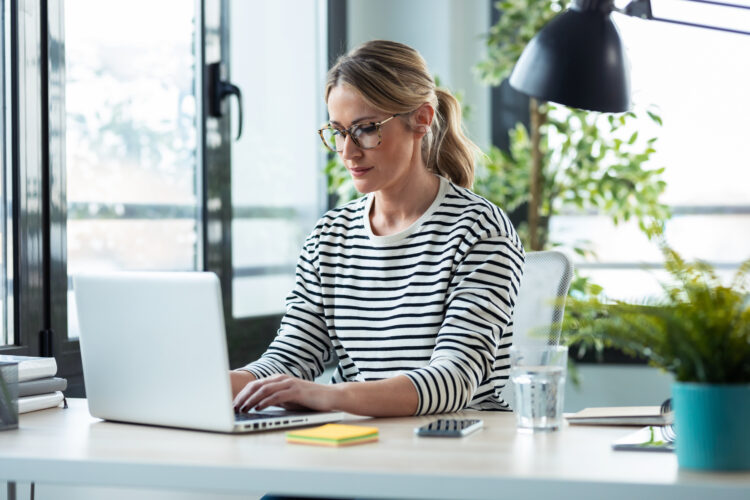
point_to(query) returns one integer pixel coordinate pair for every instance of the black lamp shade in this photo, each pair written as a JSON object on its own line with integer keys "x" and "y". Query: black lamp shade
{"x": 577, "y": 60}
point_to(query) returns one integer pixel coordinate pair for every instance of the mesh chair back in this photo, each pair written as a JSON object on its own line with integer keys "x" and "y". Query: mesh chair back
{"x": 537, "y": 315}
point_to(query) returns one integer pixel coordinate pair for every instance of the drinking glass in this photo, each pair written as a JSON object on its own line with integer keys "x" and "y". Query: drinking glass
{"x": 538, "y": 376}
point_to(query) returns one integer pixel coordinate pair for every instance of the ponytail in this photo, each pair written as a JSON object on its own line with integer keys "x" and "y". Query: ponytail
{"x": 449, "y": 153}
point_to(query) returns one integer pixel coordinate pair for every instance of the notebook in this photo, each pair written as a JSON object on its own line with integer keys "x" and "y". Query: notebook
{"x": 620, "y": 415}
{"x": 153, "y": 348}
{"x": 651, "y": 438}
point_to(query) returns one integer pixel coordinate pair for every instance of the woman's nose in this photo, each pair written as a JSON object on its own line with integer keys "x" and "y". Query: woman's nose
{"x": 351, "y": 150}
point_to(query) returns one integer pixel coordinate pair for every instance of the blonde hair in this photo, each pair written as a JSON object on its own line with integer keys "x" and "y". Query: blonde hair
{"x": 394, "y": 78}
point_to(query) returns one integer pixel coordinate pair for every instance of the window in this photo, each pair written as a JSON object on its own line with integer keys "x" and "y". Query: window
{"x": 699, "y": 81}
{"x": 132, "y": 174}
{"x": 111, "y": 155}
{"x": 278, "y": 189}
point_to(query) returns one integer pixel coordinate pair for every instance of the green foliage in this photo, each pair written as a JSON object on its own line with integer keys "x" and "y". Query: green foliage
{"x": 519, "y": 21}
{"x": 340, "y": 181}
{"x": 699, "y": 331}
{"x": 590, "y": 161}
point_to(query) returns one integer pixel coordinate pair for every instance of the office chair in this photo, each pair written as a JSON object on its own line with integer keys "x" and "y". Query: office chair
{"x": 538, "y": 314}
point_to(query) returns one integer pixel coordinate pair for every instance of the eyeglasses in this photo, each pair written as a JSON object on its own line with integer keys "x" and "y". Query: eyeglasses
{"x": 364, "y": 135}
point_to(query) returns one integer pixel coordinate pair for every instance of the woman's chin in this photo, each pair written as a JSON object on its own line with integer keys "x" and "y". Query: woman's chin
{"x": 364, "y": 186}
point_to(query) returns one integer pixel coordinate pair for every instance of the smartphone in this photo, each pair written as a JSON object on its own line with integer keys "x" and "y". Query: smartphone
{"x": 449, "y": 427}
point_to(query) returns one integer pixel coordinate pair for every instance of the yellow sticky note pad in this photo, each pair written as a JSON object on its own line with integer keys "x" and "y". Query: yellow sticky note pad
{"x": 334, "y": 435}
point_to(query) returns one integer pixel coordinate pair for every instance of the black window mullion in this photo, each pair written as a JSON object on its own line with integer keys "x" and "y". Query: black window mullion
{"x": 66, "y": 351}
{"x": 28, "y": 289}
{"x": 216, "y": 154}
{"x": 37, "y": 163}
{"x": 45, "y": 334}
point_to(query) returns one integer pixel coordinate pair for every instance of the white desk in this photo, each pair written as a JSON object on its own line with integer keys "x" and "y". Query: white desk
{"x": 70, "y": 447}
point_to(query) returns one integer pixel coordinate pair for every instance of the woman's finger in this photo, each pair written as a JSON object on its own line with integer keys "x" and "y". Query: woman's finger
{"x": 261, "y": 391}
{"x": 255, "y": 385}
{"x": 278, "y": 398}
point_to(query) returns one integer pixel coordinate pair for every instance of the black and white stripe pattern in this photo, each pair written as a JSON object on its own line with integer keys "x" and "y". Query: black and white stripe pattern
{"x": 433, "y": 302}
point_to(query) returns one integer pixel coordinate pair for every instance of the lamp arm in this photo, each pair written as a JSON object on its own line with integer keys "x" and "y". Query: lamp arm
{"x": 642, "y": 9}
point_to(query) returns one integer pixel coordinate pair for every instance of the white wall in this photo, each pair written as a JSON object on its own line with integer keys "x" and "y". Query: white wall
{"x": 448, "y": 34}
{"x": 617, "y": 385}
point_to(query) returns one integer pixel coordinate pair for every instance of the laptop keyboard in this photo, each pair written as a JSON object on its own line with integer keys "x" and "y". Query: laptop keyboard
{"x": 244, "y": 417}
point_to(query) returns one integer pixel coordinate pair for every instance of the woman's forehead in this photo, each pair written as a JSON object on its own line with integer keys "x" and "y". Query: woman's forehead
{"x": 346, "y": 105}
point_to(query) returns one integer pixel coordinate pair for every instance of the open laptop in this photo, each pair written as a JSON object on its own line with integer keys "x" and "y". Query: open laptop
{"x": 154, "y": 351}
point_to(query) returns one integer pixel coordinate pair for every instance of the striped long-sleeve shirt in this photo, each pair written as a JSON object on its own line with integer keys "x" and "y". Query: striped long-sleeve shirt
{"x": 433, "y": 302}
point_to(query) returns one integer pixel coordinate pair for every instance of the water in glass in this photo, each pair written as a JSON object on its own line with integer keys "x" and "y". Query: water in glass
{"x": 539, "y": 392}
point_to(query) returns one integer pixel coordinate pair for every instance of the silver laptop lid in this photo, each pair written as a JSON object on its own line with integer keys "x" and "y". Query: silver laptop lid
{"x": 153, "y": 348}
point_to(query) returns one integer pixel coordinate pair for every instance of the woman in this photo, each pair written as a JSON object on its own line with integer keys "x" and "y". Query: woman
{"x": 413, "y": 285}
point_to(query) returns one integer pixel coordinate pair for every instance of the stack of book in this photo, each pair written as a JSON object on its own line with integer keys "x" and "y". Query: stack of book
{"x": 38, "y": 388}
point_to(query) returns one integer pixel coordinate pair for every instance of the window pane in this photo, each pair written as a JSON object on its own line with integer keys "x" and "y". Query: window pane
{"x": 277, "y": 164}
{"x": 637, "y": 283}
{"x": 267, "y": 242}
{"x": 699, "y": 81}
{"x": 693, "y": 77}
{"x": 713, "y": 238}
{"x": 131, "y": 137}
{"x": 261, "y": 295}
{"x": 110, "y": 245}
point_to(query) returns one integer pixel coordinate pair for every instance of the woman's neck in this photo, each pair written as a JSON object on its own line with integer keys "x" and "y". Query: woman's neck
{"x": 398, "y": 207}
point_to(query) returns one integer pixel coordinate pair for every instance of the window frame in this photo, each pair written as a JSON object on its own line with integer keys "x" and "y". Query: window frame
{"x": 37, "y": 231}
{"x": 36, "y": 223}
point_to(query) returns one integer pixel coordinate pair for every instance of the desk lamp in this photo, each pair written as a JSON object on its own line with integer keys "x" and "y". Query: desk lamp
{"x": 578, "y": 58}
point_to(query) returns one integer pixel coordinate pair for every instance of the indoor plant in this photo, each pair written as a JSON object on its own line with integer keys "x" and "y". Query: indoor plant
{"x": 700, "y": 332}
{"x": 564, "y": 159}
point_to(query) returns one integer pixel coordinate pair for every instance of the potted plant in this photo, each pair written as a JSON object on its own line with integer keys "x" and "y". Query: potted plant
{"x": 700, "y": 332}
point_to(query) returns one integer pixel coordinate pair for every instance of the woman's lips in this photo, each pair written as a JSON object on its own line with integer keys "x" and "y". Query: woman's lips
{"x": 359, "y": 171}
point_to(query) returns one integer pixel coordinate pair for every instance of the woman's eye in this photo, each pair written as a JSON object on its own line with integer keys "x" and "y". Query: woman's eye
{"x": 367, "y": 129}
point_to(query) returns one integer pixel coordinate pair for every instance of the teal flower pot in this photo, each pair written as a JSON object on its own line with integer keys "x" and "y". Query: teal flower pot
{"x": 712, "y": 423}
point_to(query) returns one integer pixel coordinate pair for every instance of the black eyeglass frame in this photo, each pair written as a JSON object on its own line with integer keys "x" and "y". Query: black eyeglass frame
{"x": 349, "y": 132}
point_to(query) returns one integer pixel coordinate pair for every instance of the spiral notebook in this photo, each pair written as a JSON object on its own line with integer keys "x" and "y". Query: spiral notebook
{"x": 651, "y": 438}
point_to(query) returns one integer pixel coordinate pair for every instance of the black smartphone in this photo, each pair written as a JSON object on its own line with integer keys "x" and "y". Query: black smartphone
{"x": 449, "y": 427}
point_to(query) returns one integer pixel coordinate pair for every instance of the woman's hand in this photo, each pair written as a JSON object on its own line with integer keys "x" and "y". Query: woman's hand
{"x": 287, "y": 392}
{"x": 239, "y": 379}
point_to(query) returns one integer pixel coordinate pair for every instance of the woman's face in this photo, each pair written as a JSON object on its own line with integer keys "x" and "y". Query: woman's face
{"x": 385, "y": 166}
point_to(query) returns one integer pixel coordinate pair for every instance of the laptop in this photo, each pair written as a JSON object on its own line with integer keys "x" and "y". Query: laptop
{"x": 153, "y": 348}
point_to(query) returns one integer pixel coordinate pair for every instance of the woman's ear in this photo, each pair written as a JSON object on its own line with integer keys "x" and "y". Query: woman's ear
{"x": 422, "y": 119}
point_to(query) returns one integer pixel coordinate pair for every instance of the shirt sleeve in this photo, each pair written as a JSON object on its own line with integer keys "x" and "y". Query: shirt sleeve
{"x": 479, "y": 309}
{"x": 302, "y": 345}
